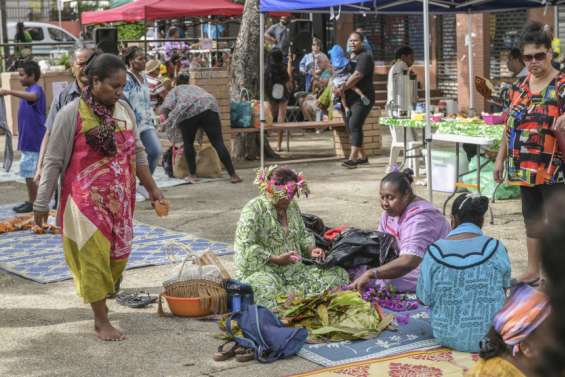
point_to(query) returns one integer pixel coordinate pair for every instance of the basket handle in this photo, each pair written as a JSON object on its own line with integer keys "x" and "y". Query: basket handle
{"x": 245, "y": 92}
{"x": 193, "y": 259}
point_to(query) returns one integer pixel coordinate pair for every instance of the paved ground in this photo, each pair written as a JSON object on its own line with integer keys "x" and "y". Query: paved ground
{"x": 45, "y": 330}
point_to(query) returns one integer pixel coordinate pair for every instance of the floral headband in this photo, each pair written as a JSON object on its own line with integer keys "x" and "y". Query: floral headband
{"x": 275, "y": 191}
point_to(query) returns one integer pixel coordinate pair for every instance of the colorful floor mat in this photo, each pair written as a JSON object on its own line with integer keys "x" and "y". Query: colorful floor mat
{"x": 441, "y": 362}
{"x": 40, "y": 257}
{"x": 415, "y": 335}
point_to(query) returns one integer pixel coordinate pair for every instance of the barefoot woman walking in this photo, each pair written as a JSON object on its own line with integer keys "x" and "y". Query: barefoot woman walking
{"x": 94, "y": 147}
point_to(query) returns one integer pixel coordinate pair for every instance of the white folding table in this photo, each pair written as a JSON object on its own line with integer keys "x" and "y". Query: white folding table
{"x": 463, "y": 139}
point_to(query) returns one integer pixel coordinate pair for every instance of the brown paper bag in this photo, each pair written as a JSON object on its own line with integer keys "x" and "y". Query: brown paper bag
{"x": 180, "y": 167}
{"x": 208, "y": 164}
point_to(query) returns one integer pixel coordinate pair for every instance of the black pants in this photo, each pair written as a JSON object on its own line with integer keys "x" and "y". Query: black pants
{"x": 359, "y": 113}
{"x": 536, "y": 201}
{"x": 210, "y": 122}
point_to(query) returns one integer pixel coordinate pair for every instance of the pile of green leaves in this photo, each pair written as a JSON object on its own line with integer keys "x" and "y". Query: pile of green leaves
{"x": 400, "y": 122}
{"x": 477, "y": 129}
{"x": 130, "y": 31}
{"x": 332, "y": 316}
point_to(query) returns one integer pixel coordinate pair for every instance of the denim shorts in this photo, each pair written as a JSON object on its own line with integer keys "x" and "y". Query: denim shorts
{"x": 28, "y": 164}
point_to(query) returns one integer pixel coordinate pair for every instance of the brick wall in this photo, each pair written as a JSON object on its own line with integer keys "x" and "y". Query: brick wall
{"x": 480, "y": 58}
{"x": 372, "y": 136}
{"x": 216, "y": 81}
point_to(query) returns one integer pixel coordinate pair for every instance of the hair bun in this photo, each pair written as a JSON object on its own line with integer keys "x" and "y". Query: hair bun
{"x": 409, "y": 173}
{"x": 481, "y": 203}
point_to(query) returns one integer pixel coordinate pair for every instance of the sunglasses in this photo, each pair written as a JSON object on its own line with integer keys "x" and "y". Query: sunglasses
{"x": 540, "y": 56}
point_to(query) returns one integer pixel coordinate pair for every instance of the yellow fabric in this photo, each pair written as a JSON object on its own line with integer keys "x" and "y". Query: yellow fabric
{"x": 495, "y": 367}
{"x": 90, "y": 121}
{"x": 87, "y": 253}
{"x": 95, "y": 273}
{"x": 439, "y": 362}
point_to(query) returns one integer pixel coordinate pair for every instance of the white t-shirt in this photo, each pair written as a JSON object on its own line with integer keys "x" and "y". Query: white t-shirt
{"x": 397, "y": 68}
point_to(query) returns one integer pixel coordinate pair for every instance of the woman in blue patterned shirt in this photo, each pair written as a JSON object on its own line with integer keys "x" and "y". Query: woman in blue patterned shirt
{"x": 463, "y": 278}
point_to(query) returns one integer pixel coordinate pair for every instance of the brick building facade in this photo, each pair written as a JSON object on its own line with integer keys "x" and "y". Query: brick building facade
{"x": 493, "y": 34}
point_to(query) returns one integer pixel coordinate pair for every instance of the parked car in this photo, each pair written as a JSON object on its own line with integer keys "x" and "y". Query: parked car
{"x": 42, "y": 33}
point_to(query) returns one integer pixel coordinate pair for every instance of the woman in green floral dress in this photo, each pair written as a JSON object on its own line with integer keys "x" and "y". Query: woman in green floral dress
{"x": 271, "y": 240}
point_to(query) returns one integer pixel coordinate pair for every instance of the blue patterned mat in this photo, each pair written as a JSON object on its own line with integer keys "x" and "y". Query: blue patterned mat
{"x": 415, "y": 335}
{"x": 40, "y": 257}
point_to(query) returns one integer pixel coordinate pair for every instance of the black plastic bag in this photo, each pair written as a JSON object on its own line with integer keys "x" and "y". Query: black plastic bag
{"x": 315, "y": 225}
{"x": 356, "y": 247}
{"x": 167, "y": 162}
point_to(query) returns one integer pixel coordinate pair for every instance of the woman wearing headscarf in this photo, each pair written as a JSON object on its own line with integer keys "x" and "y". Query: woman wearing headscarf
{"x": 271, "y": 240}
{"x": 514, "y": 343}
{"x": 96, "y": 151}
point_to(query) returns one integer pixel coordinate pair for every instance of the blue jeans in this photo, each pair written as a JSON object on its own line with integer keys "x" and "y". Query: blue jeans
{"x": 152, "y": 144}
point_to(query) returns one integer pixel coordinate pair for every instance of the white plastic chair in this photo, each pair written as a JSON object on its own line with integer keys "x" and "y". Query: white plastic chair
{"x": 397, "y": 145}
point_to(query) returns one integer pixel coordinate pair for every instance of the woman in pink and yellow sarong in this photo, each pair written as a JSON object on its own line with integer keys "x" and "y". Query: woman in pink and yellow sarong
{"x": 96, "y": 151}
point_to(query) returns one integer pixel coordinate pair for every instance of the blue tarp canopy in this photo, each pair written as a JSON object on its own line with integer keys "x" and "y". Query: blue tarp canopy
{"x": 400, "y": 6}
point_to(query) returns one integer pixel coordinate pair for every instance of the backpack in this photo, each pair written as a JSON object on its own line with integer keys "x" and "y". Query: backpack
{"x": 264, "y": 333}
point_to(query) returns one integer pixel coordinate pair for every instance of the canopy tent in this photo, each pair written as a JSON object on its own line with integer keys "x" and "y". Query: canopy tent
{"x": 402, "y": 6}
{"x": 142, "y": 10}
{"x": 423, "y": 7}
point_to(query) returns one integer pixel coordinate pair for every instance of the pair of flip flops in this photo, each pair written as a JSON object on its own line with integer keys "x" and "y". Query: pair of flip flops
{"x": 137, "y": 300}
{"x": 231, "y": 349}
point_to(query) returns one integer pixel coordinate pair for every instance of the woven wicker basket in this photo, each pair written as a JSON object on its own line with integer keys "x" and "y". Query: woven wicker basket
{"x": 203, "y": 296}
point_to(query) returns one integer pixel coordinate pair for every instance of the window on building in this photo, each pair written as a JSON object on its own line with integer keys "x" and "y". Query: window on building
{"x": 388, "y": 33}
{"x": 505, "y": 28}
{"x": 447, "y": 55}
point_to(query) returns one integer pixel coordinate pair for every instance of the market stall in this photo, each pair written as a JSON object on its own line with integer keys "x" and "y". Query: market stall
{"x": 149, "y": 10}
{"x": 425, "y": 7}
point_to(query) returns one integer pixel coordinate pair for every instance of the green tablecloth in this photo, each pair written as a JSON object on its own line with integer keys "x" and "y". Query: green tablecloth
{"x": 476, "y": 128}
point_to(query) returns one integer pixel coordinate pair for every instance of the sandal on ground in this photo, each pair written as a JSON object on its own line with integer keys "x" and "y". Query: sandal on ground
{"x": 135, "y": 300}
{"x": 224, "y": 354}
{"x": 244, "y": 355}
{"x": 235, "y": 179}
{"x": 191, "y": 179}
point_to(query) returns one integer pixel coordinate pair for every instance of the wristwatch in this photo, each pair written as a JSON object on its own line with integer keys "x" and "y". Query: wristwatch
{"x": 375, "y": 273}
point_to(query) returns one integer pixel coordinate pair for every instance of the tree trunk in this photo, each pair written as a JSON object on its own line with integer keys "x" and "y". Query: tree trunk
{"x": 245, "y": 74}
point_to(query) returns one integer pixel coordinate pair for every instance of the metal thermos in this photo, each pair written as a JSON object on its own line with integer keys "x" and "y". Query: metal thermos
{"x": 405, "y": 89}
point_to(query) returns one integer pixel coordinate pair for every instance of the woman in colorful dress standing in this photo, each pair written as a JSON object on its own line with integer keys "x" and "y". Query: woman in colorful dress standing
{"x": 94, "y": 147}
{"x": 534, "y": 160}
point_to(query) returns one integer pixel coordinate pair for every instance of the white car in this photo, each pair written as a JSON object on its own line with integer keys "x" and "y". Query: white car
{"x": 41, "y": 33}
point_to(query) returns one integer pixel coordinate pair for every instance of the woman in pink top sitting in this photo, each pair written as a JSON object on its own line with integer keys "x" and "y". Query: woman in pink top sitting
{"x": 414, "y": 222}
